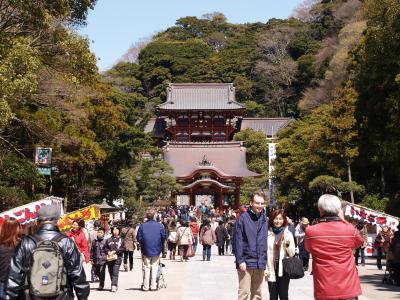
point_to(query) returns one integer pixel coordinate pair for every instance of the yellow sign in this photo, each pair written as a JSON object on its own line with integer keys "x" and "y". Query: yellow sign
{"x": 87, "y": 213}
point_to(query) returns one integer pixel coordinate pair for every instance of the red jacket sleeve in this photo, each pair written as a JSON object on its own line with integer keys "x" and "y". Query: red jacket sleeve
{"x": 307, "y": 240}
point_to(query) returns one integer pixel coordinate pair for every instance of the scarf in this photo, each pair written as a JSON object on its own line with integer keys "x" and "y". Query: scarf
{"x": 277, "y": 230}
{"x": 277, "y": 244}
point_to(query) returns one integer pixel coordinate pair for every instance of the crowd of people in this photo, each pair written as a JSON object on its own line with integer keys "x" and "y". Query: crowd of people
{"x": 264, "y": 246}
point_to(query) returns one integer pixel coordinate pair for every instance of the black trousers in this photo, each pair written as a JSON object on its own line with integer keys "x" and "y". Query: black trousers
{"x": 279, "y": 289}
{"x": 100, "y": 271}
{"x": 379, "y": 258}
{"x": 221, "y": 250}
{"x": 130, "y": 255}
{"x": 113, "y": 270}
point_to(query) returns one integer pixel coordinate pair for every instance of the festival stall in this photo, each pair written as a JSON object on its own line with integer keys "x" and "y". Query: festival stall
{"x": 374, "y": 220}
{"x": 91, "y": 212}
{"x": 28, "y": 213}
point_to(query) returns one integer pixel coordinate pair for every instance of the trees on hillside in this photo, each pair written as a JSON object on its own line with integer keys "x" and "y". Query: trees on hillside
{"x": 324, "y": 142}
{"x": 376, "y": 69}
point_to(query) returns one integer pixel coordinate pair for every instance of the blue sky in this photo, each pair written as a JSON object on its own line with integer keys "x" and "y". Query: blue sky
{"x": 114, "y": 25}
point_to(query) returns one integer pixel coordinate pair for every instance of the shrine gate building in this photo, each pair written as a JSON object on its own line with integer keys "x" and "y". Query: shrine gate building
{"x": 195, "y": 128}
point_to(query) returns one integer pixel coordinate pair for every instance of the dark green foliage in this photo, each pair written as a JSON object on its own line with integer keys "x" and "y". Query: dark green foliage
{"x": 50, "y": 94}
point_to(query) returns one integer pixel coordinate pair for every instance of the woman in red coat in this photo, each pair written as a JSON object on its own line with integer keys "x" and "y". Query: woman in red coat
{"x": 80, "y": 240}
{"x": 331, "y": 242}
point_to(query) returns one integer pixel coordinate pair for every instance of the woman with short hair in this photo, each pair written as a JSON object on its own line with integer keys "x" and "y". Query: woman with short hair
{"x": 115, "y": 249}
{"x": 78, "y": 235}
{"x": 207, "y": 238}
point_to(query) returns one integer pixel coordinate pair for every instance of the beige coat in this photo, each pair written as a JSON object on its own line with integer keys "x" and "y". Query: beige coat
{"x": 129, "y": 235}
{"x": 184, "y": 236}
{"x": 284, "y": 252}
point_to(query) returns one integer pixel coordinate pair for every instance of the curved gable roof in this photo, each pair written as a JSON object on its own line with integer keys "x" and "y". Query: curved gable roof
{"x": 227, "y": 158}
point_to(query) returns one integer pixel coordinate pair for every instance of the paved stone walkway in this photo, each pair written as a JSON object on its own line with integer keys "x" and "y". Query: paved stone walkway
{"x": 217, "y": 279}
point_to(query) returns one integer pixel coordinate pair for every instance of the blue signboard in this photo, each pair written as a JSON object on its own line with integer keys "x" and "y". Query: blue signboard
{"x": 44, "y": 171}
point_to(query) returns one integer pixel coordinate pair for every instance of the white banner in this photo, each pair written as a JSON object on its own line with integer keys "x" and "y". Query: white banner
{"x": 28, "y": 212}
{"x": 370, "y": 216}
{"x": 271, "y": 158}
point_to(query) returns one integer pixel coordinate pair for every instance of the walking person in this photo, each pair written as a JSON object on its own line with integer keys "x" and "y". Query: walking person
{"x": 92, "y": 238}
{"x": 300, "y": 233}
{"x": 207, "y": 238}
{"x": 382, "y": 243}
{"x": 151, "y": 236}
{"x": 21, "y": 264}
{"x": 250, "y": 248}
{"x": 129, "y": 235}
{"x": 172, "y": 240}
{"x": 331, "y": 242}
{"x": 362, "y": 230}
{"x": 164, "y": 222}
{"x": 115, "y": 247}
{"x": 10, "y": 237}
{"x": 78, "y": 236}
{"x": 82, "y": 225}
{"x": 194, "y": 226}
{"x": 228, "y": 243}
{"x": 280, "y": 245}
{"x": 98, "y": 257}
{"x": 222, "y": 235}
{"x": 184, "y": 238}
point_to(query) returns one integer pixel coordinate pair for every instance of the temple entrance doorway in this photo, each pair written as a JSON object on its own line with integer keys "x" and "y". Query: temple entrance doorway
{"x": 205, "y": 199}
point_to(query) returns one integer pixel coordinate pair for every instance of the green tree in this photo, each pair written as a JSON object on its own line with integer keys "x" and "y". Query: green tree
{"x": 374, "y": 202}
{"x": 256, "y": 149}
{"x": 376, "y": 69}
{"x": 328, "y": 184}
{"x": 150, "y": 179}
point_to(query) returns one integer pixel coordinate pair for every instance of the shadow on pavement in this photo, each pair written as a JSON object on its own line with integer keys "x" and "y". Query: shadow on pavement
{"x": 376, "y": 280}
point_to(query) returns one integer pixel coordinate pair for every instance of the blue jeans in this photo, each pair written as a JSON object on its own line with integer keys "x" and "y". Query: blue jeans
{"x": 206, "y": 252}
{"x": 2, "y": 290}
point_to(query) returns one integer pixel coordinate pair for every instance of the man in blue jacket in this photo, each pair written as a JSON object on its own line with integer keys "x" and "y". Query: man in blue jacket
{"x": 151, "y": 236}
{"x": 250, "y": 245}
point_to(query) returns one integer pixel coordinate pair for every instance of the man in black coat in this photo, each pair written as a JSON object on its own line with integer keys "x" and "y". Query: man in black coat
{"x": 48, "y": 229}
{"x": 222, "y": 235}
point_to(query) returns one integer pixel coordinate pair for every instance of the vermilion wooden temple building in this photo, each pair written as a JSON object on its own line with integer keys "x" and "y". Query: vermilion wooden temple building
{"x": 195, "y": 127}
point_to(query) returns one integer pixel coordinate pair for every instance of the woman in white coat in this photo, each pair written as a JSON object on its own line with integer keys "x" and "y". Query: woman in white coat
{"x": 280, "y": 245}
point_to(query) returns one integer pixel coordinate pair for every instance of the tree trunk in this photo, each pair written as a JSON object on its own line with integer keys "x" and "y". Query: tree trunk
{"x": 383, "y": 182}
{"x": 349, "y": 174}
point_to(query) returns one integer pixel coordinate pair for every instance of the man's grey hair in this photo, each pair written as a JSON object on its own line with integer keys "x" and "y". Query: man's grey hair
{"x": 330, "y": 204}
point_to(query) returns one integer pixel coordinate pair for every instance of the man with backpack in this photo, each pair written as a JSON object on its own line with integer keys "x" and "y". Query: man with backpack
{"x": 47, "y": 264}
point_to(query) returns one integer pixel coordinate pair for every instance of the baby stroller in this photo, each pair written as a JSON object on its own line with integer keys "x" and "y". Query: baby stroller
{"x": 160, "y": 277}
{"x": 392, "y": 272}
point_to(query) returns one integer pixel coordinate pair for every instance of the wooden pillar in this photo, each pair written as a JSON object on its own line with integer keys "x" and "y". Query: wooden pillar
{"x": 191, "y": 197}
{"x": 237, "y": 196}
{"x": 219, "y": 198}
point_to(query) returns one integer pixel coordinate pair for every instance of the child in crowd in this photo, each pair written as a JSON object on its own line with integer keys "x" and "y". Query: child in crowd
{"x": 98, "y": 254}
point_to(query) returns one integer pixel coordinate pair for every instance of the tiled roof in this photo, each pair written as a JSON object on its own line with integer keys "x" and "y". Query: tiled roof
{"x": 203, "y": 96}
{"x": 226, "y": 158}
{"x": 270, "y": 126}
{"x": 156, "y": 126}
